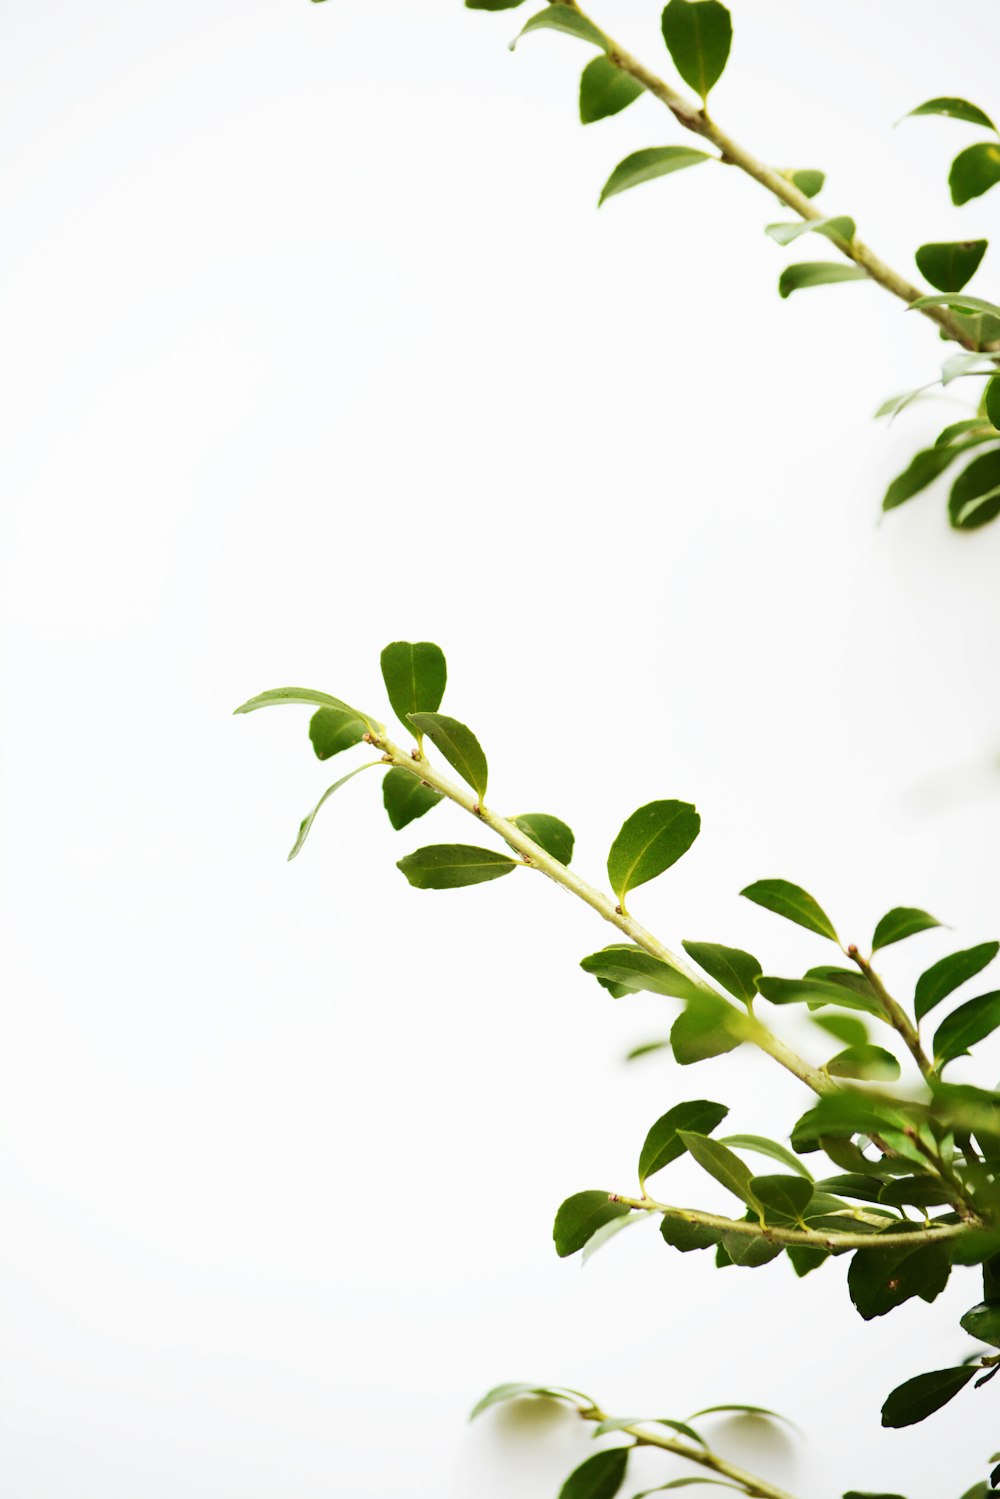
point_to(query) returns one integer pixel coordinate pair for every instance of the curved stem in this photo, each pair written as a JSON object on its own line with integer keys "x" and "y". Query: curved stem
{"x": 895, "y": 1014}
{"x": 756, "y": 1488}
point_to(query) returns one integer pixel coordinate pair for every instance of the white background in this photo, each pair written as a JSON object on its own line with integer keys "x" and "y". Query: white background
{"x": 314, "y": 339}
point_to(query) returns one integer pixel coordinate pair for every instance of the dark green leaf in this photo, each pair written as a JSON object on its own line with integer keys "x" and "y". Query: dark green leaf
{"x": 564, "y": 18}
{"x": 643, "y": 166}
{"x": 650, "y": 841}
{"x": 636, "y": 969}
{"x": 793, "y": 903}
{"x": 334, "y": 729}
{"x": 992, "y": 401}
{"x": 816, "y": 273}
{"x": 955, "y": 109}
{"x": 975, "y": 494}
{"x": 459, "y": 746}
{"x": 964, "y": 1027}
{"x": 749, "y": 1252}
{"x": 818, "y": 991}
{"x": 879, "y": 1280}
{"x": 662, "y": 1145}
{"x": 856, "y": 1494}
{"x": 307, "y": 822}
{"x": 771, "y": 1148}
{"x": 721, "y": 1163}
{"x": 279, "y": 695}
{"x": 605, "y": 90}
{"x": 845, "y": 1028}
{"x": 914, "y": 1191}
{"x": 579, "y": 1218}
{"x": 804, "y": 1258}
{"x": 600, "y": 1477}
{"x": 492, "y": 4}
{"x": 974, "y": 171}
{"x": 406, "y": 798}
{"x": 983, "y": 1322}
{"x": 807, "y": 181}
{"x": 938, "y": 981}
{"x": 737, "y": 971}
{"x": 548, "y": 832}
{"x": 841, "y": 230}
{"x": 870, "y": 1062}
{"x": 921, "y": 1397}
{"x": 950, "y": 266}
{"x": 783, "y": 1198}
{"x": 698, "y": 34}
{"x": 680, "y": 1234}
{"x": 447, "y": 866}
{"x": 415, "y": 674}
{"x": 900, "y": 922}
{"x": 504, "y": 1392}
{"x": 853, "y": 1184}
{"x": 923, "y": 468}
{"x": 706, "y": 1027}
{"x": 851, "y": 1112}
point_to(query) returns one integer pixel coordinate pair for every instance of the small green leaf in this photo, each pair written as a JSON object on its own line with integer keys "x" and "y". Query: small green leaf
{"x": 808, "y": 181}
{"x": 548, "y": 832}
{"x": 983, "y": 1322}
{"x": 841, "y": 230}
{"x": 820, "y": 991}
{"x": 964, "y": 1027}
{"x": 307, "y": 822}
{"x": 650, "y": 841}
{"x": 579, "y": 1218}
{"x": 751, "y": 1253}
{"x": 516, "y": 1391}
{"x": 992, "y": 401}
{"x": 958, "y": 302}
{"x": 923, "y": 469}
{"x": 405, "y": 797}
{"x": 744, "y": 1410}
{"x": 447, "y": 866}
{"x": 975, "y": 494}
{"x": 280, "y": 695}
{"x": 816, "y": 273}
{"x": 600, "y": 1477}
{"x": 685, "y": 1236}
{"x": 769, "y": 1148}
{"x": 721, "y": 1163}
{"x": 872, "y": 1063}
{"x": 783, "y": 1198}
{"x": 415, "y": 675}
{"x": 950, "y": 266}
{"x": 459, "y": 746}
{"x": 879, "y": 1280}
{"x": 974, "y": 171}
{"x": 707, "y": 1027}
{"x": 636, "y": 969}
{"x": 918, "y": 1398}
{"x": 698, "y": 34}
{"x": 793, "y": 903}
{"x": 955, "y": 109}
{"x": 845, "y": 1028}
{"x": 662, "y": 1144}
{"x": 643, "y": 166}
{"x": 804, "y": 1259}
{"x": 605, "y": 90}
{"x": 943, "y": 977}
{"x": 334, "y": 729}
{"x": 899, "y": 923}
{"x": 564, "y": 18}
{"x": 737, "y": 971}
{"x": 646, "y": 1049}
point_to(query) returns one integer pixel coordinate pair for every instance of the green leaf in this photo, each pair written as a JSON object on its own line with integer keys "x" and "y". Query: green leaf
{"x": 793, "y": 903}
{"x": 334, "y": 729}
{"x": 751, "y": 1253}
{"x": 406, "y": 798}
{"x": 706, "y": 1027}
{"x": 955, "y": 109}
{"x": 743, "y": 1410}
{"x": 856, "y": 1494}
{"x": 415, "y": 674}
{"x": 698, "y": 34}
{"x": 950, "y": 266}
{"x": 816, "y": 273}
{"x": 851, "y": 1111}
{"x": 992, "y": 401}
{"x": 771, "y": 1148}
{"x": 548, "y": 832}
{"x": 492, "y": 4}
{"x": 958, "y": 302}
{"x": 636, "y": 969}
{"x": 737, "y": 971}
{"x": 923, "y": 468}
{"x": 983, "y": 1322}
{"x": 915, "y": 1192}
{"x": 579, "y": 1218}
{"x": 808, "y": 181}
{"x": 459, "y": 746}
{"x": 619, "y": 1423}
{"x": 650, "y": 841}
{"x": 307, "y": 822}
{"x": 964, "y": 1027}
{"x": 680, "y": 1234}
{"x": 279, "y": 695}
{"x": 873, "y": 1063}
{"x": 844, "y": 1027}
{"x": 974, "y": 171}
{"x": 605, "y": 90}
{"x": 944, "y": 976}
{"x": 564, "y": 18}
{"x": 783, "y": 1198}
{"x": 515, "y": 1391}
{"x": 646, "y": 1049}
{"x": 721, "y": 1163}
{"x": 921, "y": 1397}
{"x": 662, "y": 1144}
{"x": 901, "y": 922}
{"x": 819, "y": 991}
{"x": 447, "y": 866}
{"x": 879, "y": 1280}
{"x": 600, "y": 1477}
{"x": 841, "y": 230}
{"x": 975, "y": 494}
{"x": 804, "y": 1258}
{"x": 853, "y": 1184}
{"x": 643, "y": 166}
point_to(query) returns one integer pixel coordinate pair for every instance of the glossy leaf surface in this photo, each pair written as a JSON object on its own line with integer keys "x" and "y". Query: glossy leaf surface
{"x": 459, "y": 746}
{"x": 650, "y": 841}
{"x": 548, "y": 832}
{"x": 579, "y": 1218}
{"x": 792, "y": 902}
{"x": 405, "y": 797}
{"x": 448, "y": 866}
{"x": 644, "y": 166}
{"x": 663, "y": 1145}
{"x": 943, "y": 977}
{"x": 899, "y": 923}
{"x": 920, "y": 1397}
{"x": 974, "y": 171}
{"x": 737, "y": 971}
{"x": 415, "y": 675}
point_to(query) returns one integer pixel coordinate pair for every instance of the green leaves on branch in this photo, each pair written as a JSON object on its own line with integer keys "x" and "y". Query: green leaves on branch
{"x": 650, "y": 841}
{"x": 635, "y": 969}
{"x": 698, "y": 34}
{"x": 964, "y": 1027}
{"x": 923, "y": 469}
{"x": 415, "y": 674}
{"x": 841, "y": 230}
{"x": 943, "y": 977}
{"x": 737, "y": 971}
{"x": 605, "y": 90}
{"x": 881, "y": 1279}
{"x": 406, "y": 798}
{"x": 950, "y": 266}
{"x": 707, "y": 1027}
{"x": 991, "y": 401}
{"x": 983, "y": 1322}
{"x": 872, "y": 1063}
{"x": 644, "y": 166}
{"x": 721, "y": 1163}
{"x": 808, "y": 273}
{"x": 278, "y": 696}
{"x": 492, "y": 4}
{"x": 599, "y": 1477}
{"x": 548, "y": 832}
{"x": 501, "y": 1393}
{"x": 564, "y": 18}
{"x": 663, "y": 1143}
{"x": 919, "y": 1398}
{"x": 459, "y": 746}
{"x": 975, "y": 495}
{"x": 809, "y": 182}
{"x": 579, "y": 1218}
{"x": 954, "y": 109}
{"x": 447, "y": 866}
{"x": 974, "y": 171}
{"x": 334, "y": 729}
{"x": 899, "y": 923}
{"x": 792, "y": 902}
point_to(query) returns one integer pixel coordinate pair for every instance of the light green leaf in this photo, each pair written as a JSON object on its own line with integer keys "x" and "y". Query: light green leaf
{"x": 334, "y": 729}
{"x": 975, "y": 494}
{"x": 846, "y": 1028}
{"x": 721, "y": 1163}
{"x": 609, "y": 1231}
{"x": 841, "y": 230}
{"x": 793, "y": 903}
{"x": 873, "y": 1063}
{"x": 447, "y": 866}
{"x": 851, "y": 1112}
{"x": 707, "y": 1027}
{"x": 415, "y": 674}
{"x": 662, "y": 1144}
{"x": 808, "y": 181}
{"x": 974, "y": 171}
{"x": 579, "y": 1218}
{"x": 643, "y": 166}
{"x": 698, "y": 34}
{"x": 955, "y": 109}
{"x": 459, "y": 746}
{"x": 548, "y": 832}
{"x": 307, "y": 822}
{"x": 964, "y": 1027}
{"x": 516, "y": 1391}
{"x": 600, "y": 1477}
{"x": 918, "y": 1398}
{"x": 406, "y": 798}
{"x": 744, "y": 1410}
{"x": 943, "y": 977}
{"x": 771, "y": 1148}
{"x": 650, "y": 841}
{"x": 646, "y": 1049}
{"x": 958, "y": 302}
{"x": 605, "y": 90}
{"x": 983, "y": 1322}
{"x": 950, "y": 266}
{"x": 636, "y": 969}
{"x": 564, "y": 18}
{"x": 783, "y": 1198}
{"x": 923, "y": 469}
{"x": 816, "y": 273}
{"x": 279, "y": 695}
{"x": 737, "y": 971}
{"x": 899, "y": 923}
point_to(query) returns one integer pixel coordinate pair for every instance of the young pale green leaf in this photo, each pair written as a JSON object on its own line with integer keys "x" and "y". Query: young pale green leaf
{"x": 684, "y": 1483}
{"x": 958, "y": 429}
{"x": 698, "y": 34}
{"x": 950, "y": 266}
{"x": 280, "y": 695}
{"x": 579, "y": 1218}
{"x": 650, "y": 841}
{"x": 975, "y": 494}
{"x": 991, "y": 401}
{"x": 943, "y": 977}
{"x": 599, "y": 1477}
{"x": 415, "y": 674}
{"x": 880, "y": 1279}
{"x": 448, "y": 866}
{"x": 918, "y": 1398}
{"x": 841, "y": 230}
{"x": 954, "y": 109}
{"x": 983, "y": 1322}
{"x": 846, "y": 1028}
{"x": 636, "y": 969}
{"x": 721, "y": 1163}
{"x": 964, "y": 1027}
{"x": 923, "y": 468}
{"x": 644, "y": 166}
{"x": 605, "y": 90}
{"x": 307, "y": 822}
{"x": 662, "y": 1144}
{"x": 808, "y": 181}
{"x": 707, "y": 1027}
{"x": 899, "y": 923}
{"x": 873, "y": 1063}
{"x": 548, "y": 832}
{"x": 974, "y": 171}
{"x": 958, "y": 302}
{"x": 783, "y": 1198}
{"x": 737, "y": 971}
{"x": 771, "y": 1148}
{"x": 793, "y": 903}
{"x": 501, "y": 1393}
{"x": 406, "y": 798}
{"x": 564, "y": 18}
{"x": 334, "y": 729}
{"x": 459, "y": 746}
{"x": 806, "y": 273}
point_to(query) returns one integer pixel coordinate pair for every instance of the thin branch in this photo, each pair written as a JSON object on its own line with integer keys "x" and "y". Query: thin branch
{"x": 895, "y": 1014}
